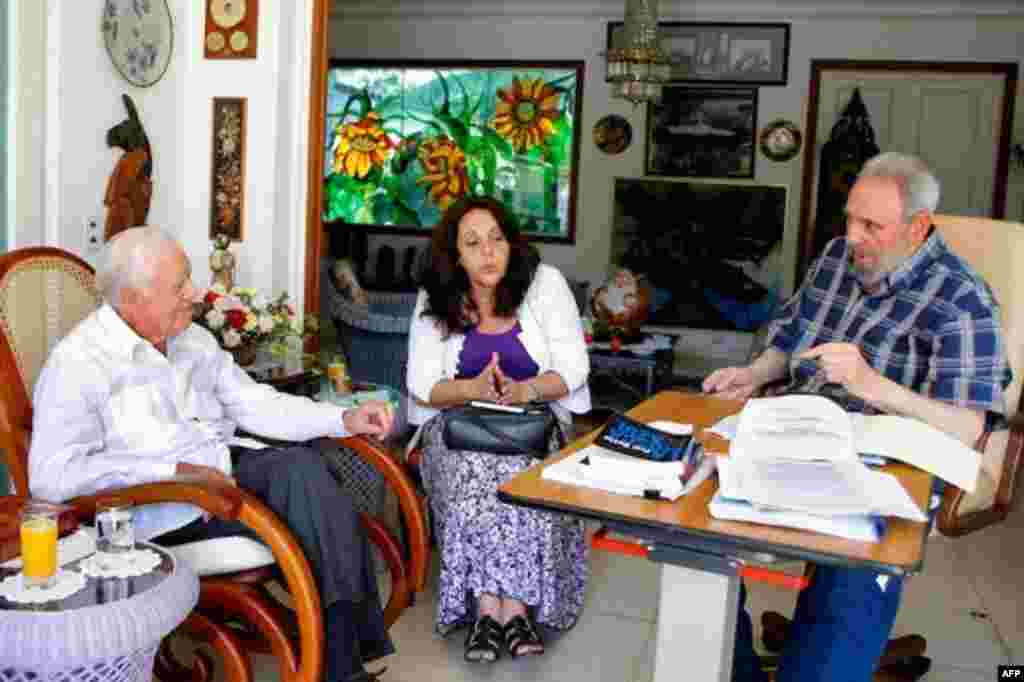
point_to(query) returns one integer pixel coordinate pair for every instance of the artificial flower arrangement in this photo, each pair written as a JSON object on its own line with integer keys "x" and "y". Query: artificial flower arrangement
{"x": 245, "y": 318}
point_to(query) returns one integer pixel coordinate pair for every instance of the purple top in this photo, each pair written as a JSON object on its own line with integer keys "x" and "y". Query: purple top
{"x": 513, "y": 359}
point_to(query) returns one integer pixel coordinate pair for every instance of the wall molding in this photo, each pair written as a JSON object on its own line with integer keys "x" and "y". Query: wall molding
{"x": 611, "y": 10}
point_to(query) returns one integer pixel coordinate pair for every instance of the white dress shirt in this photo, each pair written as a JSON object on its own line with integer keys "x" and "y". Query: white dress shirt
{"x": 552, "y": 335}
{"x": 111, "y": 411}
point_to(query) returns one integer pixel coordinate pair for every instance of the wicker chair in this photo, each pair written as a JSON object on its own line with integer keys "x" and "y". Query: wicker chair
{"x": 44, "y": 292}
{"x": 374, "y": 338}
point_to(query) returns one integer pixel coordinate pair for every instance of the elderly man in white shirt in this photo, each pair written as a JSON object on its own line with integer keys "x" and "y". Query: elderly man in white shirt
{"x": 137, "y": 393}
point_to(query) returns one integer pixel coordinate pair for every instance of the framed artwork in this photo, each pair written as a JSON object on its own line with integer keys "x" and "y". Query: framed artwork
{"x": 404, "y": 140}
{"x": 231, "y": 28}
{"x": 227, "y": 168}
{"x": 702, "y": 132}
{"x": 748, "y": 54}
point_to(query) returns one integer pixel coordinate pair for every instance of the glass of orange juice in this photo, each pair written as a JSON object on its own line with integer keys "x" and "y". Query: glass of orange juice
{"x": 39, "y": 544}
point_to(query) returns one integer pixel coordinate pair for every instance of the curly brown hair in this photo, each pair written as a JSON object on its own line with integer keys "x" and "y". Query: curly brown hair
{"x": 447, "y": 283}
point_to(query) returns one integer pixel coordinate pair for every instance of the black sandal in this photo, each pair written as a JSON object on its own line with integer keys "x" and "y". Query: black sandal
{"x": 483, "y": 644}
{"x": 521, "y": 634}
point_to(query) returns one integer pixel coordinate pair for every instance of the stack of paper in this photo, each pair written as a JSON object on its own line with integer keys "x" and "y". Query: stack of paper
{"x": 599, "y": 467}
{"x": 659, "y": 460}
{"x": 794, "y": 462}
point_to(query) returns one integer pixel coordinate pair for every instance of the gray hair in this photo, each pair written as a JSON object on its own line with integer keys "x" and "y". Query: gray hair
{"x": 919, "y": 188}
{"x": 129, "y": 261}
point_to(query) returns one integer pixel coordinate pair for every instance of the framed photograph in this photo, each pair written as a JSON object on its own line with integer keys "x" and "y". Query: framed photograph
{"x": 404, "y": 140}
{"x": 227, "y": 164}
{"x": 747, "y": 54}
{"x": 702, "y": 132}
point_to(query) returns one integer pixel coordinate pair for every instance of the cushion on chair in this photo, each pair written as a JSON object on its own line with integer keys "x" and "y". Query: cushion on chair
{"x": 223, "y": 555}
{"x": 995, "y": 249}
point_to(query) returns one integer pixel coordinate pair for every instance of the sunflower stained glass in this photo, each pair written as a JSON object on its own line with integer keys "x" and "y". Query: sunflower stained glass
{"x": 405, "y": 140}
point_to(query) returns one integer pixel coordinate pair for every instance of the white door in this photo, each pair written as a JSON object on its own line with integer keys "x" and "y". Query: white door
{"x": 951, "y": 120}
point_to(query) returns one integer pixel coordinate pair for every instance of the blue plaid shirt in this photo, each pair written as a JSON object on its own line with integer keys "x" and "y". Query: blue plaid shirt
{"x": 932, "y": 325}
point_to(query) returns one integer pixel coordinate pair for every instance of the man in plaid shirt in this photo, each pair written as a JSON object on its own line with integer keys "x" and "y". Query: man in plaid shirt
{"x": 889, "y": 320}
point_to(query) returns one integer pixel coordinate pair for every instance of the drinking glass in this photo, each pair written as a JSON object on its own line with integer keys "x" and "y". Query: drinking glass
{"x": 115, "y": 533}
{"x": 337, "y": 372}
{"x": 39, "y": 544}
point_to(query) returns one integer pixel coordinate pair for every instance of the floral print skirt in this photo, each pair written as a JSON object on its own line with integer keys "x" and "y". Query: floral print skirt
{"x": 489, "y": 547}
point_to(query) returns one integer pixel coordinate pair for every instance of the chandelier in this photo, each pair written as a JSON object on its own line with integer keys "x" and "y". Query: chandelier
{"x": 637, "y": 67}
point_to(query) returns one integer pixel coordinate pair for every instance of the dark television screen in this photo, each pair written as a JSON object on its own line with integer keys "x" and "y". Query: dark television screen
{"x": 710, "y": 252}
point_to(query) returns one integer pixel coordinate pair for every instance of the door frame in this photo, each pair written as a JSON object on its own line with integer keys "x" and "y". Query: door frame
{"x": 315, "y": 152}
{"x": 819, "y": 67}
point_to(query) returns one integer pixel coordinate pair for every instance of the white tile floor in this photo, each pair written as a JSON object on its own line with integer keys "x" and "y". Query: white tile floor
{"x": 967, "y": 602}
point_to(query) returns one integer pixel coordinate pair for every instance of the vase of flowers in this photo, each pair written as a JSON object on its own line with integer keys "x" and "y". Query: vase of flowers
{"x": 242, "y": 320}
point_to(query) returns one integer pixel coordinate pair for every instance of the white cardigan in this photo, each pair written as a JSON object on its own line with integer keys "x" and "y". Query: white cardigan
{"x": 552, "y": 335}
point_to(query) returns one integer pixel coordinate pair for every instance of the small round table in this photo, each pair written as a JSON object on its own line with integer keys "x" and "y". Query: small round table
{"x": 109, "y": 631}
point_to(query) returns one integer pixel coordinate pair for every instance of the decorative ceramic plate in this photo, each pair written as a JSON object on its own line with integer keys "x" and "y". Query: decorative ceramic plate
{"x": 612, "y": 134}
{"x": 139, "y": 35}
{"x": 780, "y": 140}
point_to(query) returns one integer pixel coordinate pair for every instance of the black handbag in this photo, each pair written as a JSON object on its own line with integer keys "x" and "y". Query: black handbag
{"x": 502, "y": 429}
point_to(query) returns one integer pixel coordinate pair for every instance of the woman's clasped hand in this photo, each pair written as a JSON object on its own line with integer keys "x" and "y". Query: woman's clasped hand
{"x": 493, "y": 385}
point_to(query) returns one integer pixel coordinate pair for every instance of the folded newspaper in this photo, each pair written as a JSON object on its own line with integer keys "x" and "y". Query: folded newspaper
{"x": 659, "y": 460}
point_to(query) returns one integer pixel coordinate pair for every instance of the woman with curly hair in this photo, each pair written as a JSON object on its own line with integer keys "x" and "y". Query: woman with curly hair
{"x": 494, "y": 323}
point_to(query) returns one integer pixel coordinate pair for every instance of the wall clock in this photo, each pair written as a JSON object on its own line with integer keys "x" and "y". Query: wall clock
{"x": 231, "y": 29}
{"x": 139, "y": 36}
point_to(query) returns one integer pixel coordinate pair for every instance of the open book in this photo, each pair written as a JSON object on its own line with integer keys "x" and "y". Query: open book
{"x": 800, "y": 454}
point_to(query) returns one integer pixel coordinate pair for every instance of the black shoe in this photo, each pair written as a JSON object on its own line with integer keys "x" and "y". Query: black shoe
{"x": 483, "y": 644}
{"x": 910, "y": 668}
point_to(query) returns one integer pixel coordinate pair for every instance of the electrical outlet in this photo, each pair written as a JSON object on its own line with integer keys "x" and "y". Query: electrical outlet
{"x": 93, "y": 240}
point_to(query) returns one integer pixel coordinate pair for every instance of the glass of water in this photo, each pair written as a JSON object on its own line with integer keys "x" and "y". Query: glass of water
{"x": 115, "y": 533}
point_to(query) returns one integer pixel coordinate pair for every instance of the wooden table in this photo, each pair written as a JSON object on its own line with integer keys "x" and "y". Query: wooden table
{"x": 702, "y": 557}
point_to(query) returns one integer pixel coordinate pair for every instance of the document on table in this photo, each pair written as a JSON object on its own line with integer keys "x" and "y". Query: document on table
{"x": 861, "y": 527}
{"x": 821, "y": 488}
{"x": 604, "y": 469}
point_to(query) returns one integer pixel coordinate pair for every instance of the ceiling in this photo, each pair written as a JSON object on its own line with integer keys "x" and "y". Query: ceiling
{"x": 678, "y": 9}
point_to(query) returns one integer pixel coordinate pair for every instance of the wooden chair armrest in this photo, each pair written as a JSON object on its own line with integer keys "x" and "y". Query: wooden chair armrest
{"x": 953, "y": 523}
{"x": 233, "y": 503}
{"x": 220, "y": 499}
{"x": 398, "y": 480}
{"x": 298, "y": 576}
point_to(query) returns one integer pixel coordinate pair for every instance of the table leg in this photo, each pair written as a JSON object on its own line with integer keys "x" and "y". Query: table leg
{"x": 696, "y": 624}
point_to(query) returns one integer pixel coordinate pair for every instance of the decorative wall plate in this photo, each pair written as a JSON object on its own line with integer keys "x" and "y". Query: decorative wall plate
{"x": 139, "y": 36}
{"x": 612, "y": 134}
{"x": 781, "y": 140}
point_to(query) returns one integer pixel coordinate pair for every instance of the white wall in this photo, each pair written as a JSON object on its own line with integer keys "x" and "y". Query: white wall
{"x": 177, "y": 114}
{"x": 567, "y": 31}
{"x": 27, "y": 132}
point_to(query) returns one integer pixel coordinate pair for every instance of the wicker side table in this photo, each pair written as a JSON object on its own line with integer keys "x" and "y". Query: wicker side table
{"x": 108, "y": 631}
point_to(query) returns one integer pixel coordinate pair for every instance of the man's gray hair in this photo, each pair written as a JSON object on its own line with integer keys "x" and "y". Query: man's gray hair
{"x": 129, "y": 261}
{"x": 919, "y": 188}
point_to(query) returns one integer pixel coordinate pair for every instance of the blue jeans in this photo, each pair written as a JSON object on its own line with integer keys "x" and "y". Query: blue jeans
{"x": 840, "y": 629}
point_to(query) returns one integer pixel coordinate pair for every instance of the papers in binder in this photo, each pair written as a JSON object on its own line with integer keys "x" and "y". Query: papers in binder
{"x": 794, "y": 462}
{"x": 861, "y": 527}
